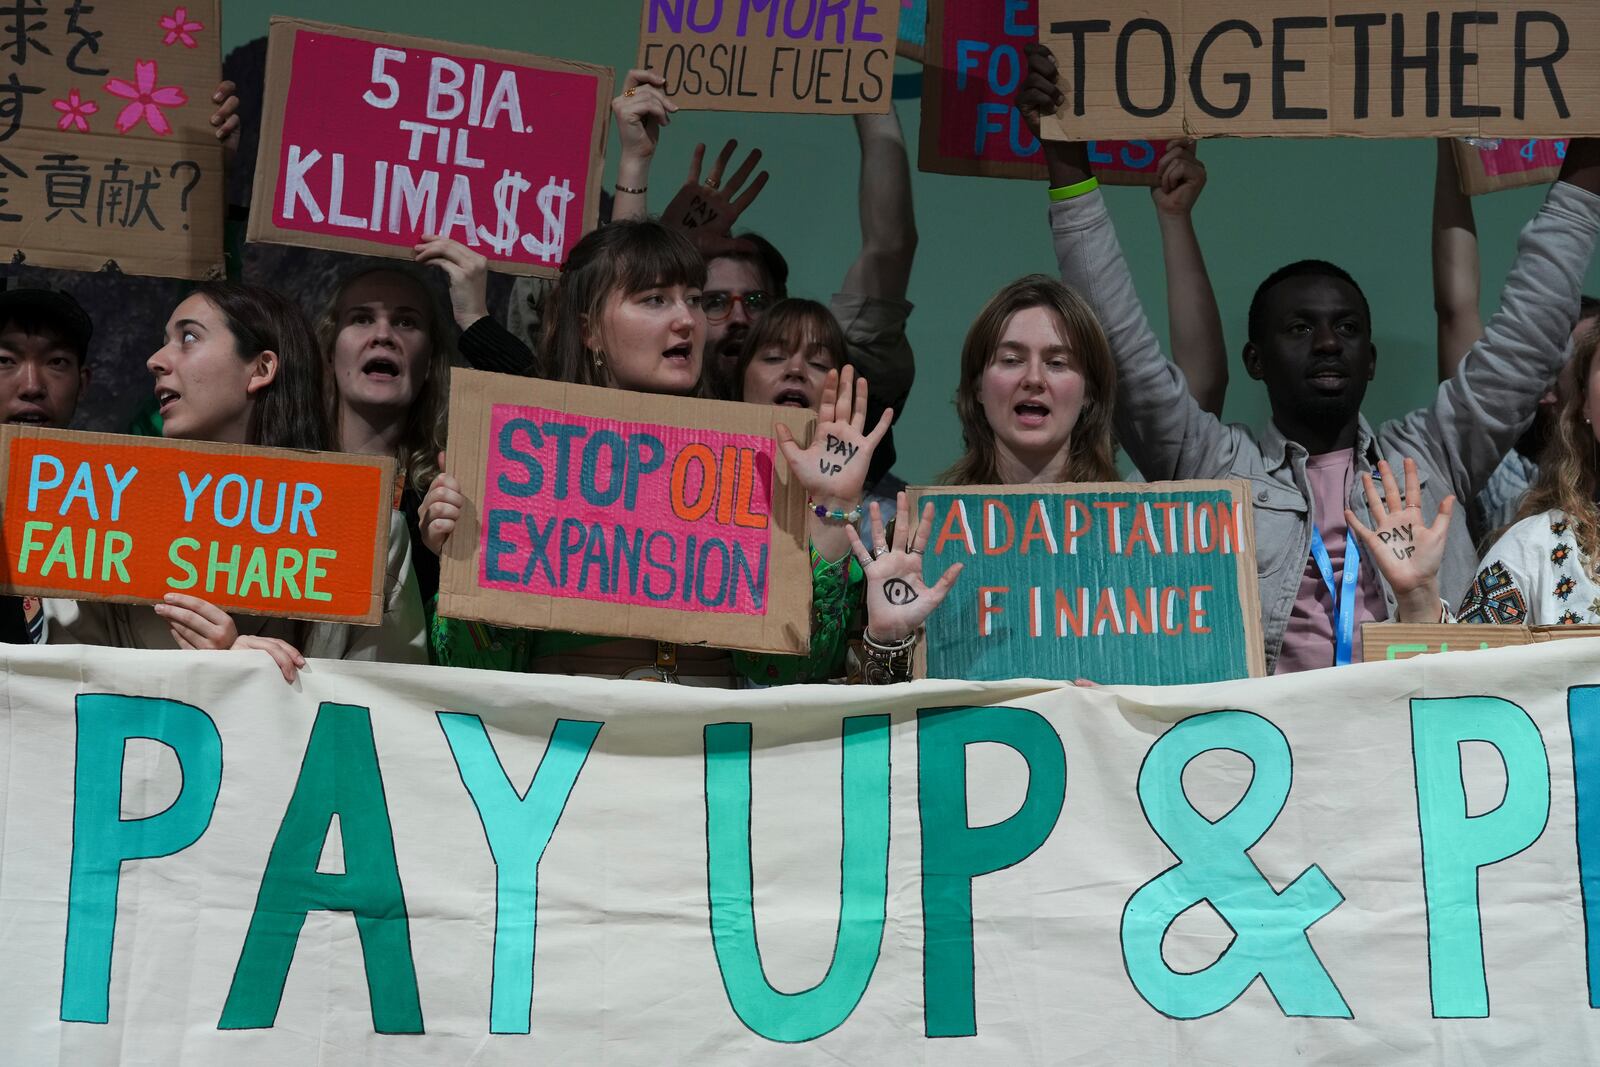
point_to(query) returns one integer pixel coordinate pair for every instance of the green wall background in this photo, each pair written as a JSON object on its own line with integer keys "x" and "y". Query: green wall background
{"x": 1362, "y": 204}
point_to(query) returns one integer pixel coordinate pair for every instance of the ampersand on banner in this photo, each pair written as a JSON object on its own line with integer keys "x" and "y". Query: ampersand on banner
{"x": 1214, "y": 867}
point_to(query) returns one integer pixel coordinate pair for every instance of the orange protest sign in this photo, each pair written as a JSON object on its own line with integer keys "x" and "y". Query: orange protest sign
{"x": 267, "y": 531}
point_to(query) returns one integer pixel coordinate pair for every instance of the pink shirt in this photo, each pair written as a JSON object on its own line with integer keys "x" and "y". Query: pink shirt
{"x": 1308, "y": 642}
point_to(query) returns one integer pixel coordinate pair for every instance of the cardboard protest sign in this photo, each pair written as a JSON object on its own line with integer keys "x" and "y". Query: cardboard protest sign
{"x": 970, "y": 125}
{"x": 826, "y": 57}
{"x": 373, "y": 139}
{"x": 267, "y": 531}
{"x": 605, "y": 511}
{"x": 913, "y": 30}
{"x": 1400, "y": 640}
{"x": 1311, "y": 868}
{"x": 107, "y": 155}
{"x": 1511, "y": 164}
{"x": 1112, "y": 582}
{"x": 1298, "y": 68}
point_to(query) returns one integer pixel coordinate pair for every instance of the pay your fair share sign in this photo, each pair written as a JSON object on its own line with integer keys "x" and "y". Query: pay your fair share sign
{"x": 1390, "y": 862}
{"x": 268, "y": 531}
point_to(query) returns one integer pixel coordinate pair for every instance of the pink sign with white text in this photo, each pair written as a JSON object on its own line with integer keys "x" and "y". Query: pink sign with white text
{"x": 379, "y": 142}
{"x": 632, "y": 513}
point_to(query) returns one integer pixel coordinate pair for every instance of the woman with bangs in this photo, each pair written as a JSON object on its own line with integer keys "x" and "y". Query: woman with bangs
{"x": 388, "y": 346}
{"x": 626, "y": 315}
{"x": 1035, "y": 401}
{"x": 240, "y": 365}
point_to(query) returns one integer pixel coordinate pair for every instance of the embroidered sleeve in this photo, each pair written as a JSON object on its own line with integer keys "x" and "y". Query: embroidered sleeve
{"x": 836, "y": 589}
{"x": 1494, "y": 597}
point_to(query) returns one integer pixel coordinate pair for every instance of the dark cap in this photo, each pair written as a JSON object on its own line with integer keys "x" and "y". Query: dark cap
{"x": 50, "y": 308}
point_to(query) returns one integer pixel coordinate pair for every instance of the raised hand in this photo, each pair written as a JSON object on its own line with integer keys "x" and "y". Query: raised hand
{"x": 707, "y": 209}
{"x": 1040, "y": 94}
{"x": 1405, "y": 549}
{"x": 898, "y": 600}
{"x": 225, "y": 120}
{"x": 1181, "y": 178}
{"x": 833, "y": 469}
{"x": 468, "y": 273}
{"x": 641, "y": 110}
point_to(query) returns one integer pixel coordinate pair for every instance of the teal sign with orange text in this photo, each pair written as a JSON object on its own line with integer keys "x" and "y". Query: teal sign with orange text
{"x": 1116, "y": 583}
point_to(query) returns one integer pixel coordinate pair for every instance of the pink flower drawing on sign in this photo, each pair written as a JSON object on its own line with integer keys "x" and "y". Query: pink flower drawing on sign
{"x": 75, "y": 112}
{"x": 180, "y": 27}
{"x": 148, "y": 100}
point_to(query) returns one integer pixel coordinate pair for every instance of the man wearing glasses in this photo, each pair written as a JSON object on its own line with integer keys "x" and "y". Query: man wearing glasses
{"x": 871, "y": 305}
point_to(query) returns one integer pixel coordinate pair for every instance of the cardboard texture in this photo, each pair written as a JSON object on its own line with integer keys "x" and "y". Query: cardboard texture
{"x": 1399, "y": 640}
{"x": 373, "y": 139}
{"x": 824, "y": 57}
{"x": 1513, "y": 164}
{"x": 611, "y": 512}
{"x": 267, "y": 531}
{"x": 969, "y": 124}
{"x": 913, "y": 30}
{"x": 1113, "y": 582}
{"x": 940, "y": 873}
{"x": 107, "y": 156}
{"x": 1324, "y": 68}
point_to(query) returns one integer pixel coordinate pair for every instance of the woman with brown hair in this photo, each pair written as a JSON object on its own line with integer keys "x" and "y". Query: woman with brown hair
{"x": 626, "y": 315}
{"x": 1035, "y": 400}
{"x": 386, "y": 344}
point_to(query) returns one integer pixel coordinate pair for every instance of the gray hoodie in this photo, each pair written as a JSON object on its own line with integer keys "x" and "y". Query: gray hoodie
{"x": 1457, "y": 440}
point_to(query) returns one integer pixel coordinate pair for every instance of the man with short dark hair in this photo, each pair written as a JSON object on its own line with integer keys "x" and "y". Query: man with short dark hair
{"x": 44, "y": 368}
{"x": 1311, "y": 345}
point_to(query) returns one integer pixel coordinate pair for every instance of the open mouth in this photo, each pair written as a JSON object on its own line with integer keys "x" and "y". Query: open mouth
{"x": 1031, "y": 413}
{"x": 30, "y": 417}
{"x": 681, "y": 351}
{"x": 381, "y": 367}
{"x": 792, "y": 398}
{"x": 1329, "y": 380}
{"x": 165, "y": 398}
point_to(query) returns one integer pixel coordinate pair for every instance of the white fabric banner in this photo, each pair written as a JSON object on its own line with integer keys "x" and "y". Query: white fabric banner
{"x": 401, "y": 865}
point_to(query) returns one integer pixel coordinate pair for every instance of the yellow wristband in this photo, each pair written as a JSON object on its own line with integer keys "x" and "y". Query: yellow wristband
{"x": 1068, "y": 192}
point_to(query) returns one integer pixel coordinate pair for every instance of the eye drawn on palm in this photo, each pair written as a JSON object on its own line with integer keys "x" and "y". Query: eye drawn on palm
{"x": 1405, "y": 549}
{"x": 899, "y": 601}
{"x": 833, "y": 468}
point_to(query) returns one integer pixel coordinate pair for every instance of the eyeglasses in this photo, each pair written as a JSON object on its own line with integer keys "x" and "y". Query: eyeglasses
{"x": 719, "y": 305}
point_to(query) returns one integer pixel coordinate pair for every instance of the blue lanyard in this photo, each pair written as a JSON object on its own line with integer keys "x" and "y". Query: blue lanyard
{"x": 1343, "y": 594}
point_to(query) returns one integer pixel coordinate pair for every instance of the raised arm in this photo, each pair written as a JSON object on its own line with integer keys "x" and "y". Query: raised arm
{"x": 888, "y": 224}
{"x": 1478, "y": 414}
{"x": 1456, "y": 279}
{"x": 640, "y": 111}
{"x": 1164, "y": 430}
{"x": 1192, "y": 316}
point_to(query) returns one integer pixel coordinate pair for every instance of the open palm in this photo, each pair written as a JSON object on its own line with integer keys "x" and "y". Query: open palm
{"x": 833, "y": 468}
{"x": 898, "y": 600}
{"x": 1400, "y": 544}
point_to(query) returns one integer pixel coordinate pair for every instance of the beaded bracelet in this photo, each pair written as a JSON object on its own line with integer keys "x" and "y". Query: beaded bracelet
{"x": 887, "y": 664}
{"x": 852, "y": 516}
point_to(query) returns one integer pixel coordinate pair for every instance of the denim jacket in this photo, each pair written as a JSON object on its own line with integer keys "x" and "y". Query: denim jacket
{"x": 1457, "y": 440}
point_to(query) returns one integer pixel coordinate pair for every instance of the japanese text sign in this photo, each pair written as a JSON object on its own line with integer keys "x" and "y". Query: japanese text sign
{"x": 1111, "y": 582}
{"x": 107, "y": 154}
{"x": 970, "y": 124}
{"x": 604, "y": 511}
{"x": 1311, "y": 68}
{"x": 830, "y": 57}
{"x": 373, "y": 140}
{"x": 266, "y": 531}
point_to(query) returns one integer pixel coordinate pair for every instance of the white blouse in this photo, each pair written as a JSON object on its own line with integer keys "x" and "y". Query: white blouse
{"x": 1534, "y": 575}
